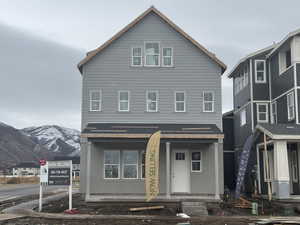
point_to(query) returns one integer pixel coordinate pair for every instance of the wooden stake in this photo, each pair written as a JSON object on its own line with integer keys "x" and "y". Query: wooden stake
{"x": 146, "y": 208}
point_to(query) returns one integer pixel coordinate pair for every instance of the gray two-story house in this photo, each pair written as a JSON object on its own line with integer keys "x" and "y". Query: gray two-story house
{"x": 151, "y": 76}
{"x": 266, "y": 94}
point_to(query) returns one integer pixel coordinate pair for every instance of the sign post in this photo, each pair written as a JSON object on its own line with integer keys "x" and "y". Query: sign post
{"x": 43, "y": 180}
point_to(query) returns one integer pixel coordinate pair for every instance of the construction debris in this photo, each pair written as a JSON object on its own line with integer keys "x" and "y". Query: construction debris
{"x": 243, "y": 203}
{"x": 146, "y": 208}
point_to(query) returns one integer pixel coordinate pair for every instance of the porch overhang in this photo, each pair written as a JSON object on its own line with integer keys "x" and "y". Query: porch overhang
{"x": 280, "y": 131}
{"x": 139, "y": 131}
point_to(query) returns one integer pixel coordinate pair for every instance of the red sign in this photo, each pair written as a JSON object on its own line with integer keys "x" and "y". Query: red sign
{"x": 42, "y": 162}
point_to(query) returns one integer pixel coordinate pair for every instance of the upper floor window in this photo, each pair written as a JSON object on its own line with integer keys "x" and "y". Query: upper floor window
{"x": 152, "y": 101}
{"x": 208, "y": 101}
{"x": 152, "y": 54}
{"x": 123, "y": 101}
{"x": 262, "y": 112}
{"x": 167, "y": 59}
{"x": 274, "y": 112}
{"x": 285, "y": 60}
{"x": 260, "y": 71}
{"x": 95, "y": 100}
{"x": 136, "y": 56}
{"x": 243, "y": 119}
{"x": 291, "y": 106}
{"x": 179, "y": 101}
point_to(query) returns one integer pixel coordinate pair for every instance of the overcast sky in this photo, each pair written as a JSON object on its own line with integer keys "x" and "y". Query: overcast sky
{"x": 42, "y": 41}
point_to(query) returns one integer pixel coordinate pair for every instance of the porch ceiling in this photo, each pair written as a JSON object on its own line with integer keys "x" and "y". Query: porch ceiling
{"x": 135, "y": 130}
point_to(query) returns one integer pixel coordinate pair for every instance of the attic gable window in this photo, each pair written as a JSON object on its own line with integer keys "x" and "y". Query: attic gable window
{"x": 260, "y": 71}
{"x": 136, "y": 59}
{"x": 152, "y": 54}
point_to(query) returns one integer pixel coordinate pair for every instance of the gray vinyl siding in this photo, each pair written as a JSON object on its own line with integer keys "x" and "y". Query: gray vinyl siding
{"x": 241, "y": 133}
{"x": 280, "y": 83}
{"x": 193, "y": 72}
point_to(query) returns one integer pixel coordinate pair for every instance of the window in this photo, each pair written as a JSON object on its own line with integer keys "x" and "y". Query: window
{"x": 208, "y": 101}
{"x": 111, "y": 164}
{"x": 196, "y": 162}
{"x": 123, "y": 101}
{"x": 136, "y": 59}
{"x": 143, "y": 164}
{"x": 179, "y": 101}
{"x": 130, "y": 164}
{"x": 167, "y": 57}
{"x": 291, "y": 106}
{"x": 260, "y": 71}
{"x": 274, "y": 112}
{"x": 180, "y": 156}
{"x": 243, "y": 119}
{"x": 152, "y": 101}
{"x": 262, "y": 112}
{"x": 152, "y": 54}
{"x": 95, "y": 100}
{"x": 285, "y": 60}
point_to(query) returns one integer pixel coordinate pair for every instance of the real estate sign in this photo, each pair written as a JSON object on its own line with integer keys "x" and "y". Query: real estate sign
{"x": 59, "y": 172}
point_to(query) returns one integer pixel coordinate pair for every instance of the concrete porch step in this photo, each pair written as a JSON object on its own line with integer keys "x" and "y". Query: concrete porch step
{"x": 194, "y": 208}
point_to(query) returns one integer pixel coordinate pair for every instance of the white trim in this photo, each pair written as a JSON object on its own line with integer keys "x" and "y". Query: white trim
{"x": 251, "y": 95}
{"x": 255, "y": 69}
{"x": 119, "y": 166}
{"x": 156, "y": 101}
{"x": 200, "y": 161}
{"x": 119, "y": 101}
{"x": 172, "y": 57}
{"x": 284, "y": 70}
{"x": 261, "y": 101}
{"x": 175, "y": 101}
{"x": 266, "y": 112}
{"x": 278, "y": 136}
{"x": 145, "y": 55}
{"x": 137, "y": 56}
{"x": 212, "y": 102}
{"x": 296, "y": 93}
{"x": 91, "y": 100}
{"x": 292, "y": 105}
{"x": 133, "y": 164}
{"x": 283, "y": 94}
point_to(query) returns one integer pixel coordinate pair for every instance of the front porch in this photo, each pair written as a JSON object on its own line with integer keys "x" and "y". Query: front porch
{"x": 190, "y": 164}
{"x": 278, "y": 161}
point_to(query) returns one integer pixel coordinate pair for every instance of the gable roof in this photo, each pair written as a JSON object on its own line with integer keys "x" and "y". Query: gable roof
{"x": 93, "y": 53}
{"x": 230, "y": 74}
{"x": 290, "y": 35}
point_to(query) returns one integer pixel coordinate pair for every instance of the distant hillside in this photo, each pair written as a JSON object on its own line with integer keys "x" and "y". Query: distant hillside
{"x": 34, "y": 143}
{"x": 58, "y": 140}
{"x": 16, "y": 147}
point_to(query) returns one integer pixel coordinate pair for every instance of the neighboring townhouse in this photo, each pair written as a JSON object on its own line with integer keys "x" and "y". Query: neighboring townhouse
{"x": 151, "y": 76}
{"x": 266, "y": 96}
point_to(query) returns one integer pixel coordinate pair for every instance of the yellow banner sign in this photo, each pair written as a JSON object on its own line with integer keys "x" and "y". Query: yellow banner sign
{"x": 152, "y": 166}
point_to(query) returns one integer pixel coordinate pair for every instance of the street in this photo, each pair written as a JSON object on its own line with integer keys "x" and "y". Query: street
{"x": 20, "y": 190}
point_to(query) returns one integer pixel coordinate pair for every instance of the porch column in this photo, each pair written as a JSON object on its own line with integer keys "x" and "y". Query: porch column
{"x": 216, "y": 154}
{"x": 168, "y": 170}
{"x": 281, "y": 170}
{"x": 88, "y": 170}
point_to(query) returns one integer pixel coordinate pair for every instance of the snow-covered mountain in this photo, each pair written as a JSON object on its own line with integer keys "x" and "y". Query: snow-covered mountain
{"x": 58, "y": 140}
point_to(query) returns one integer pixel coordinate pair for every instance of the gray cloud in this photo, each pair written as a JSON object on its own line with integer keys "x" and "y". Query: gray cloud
{"x": 37, "y": 71}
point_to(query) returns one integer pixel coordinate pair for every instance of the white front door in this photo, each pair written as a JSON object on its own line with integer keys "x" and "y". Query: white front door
{"x": 180, "y": 171}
